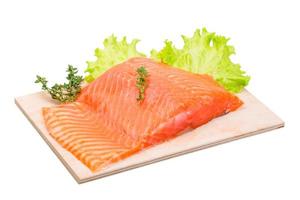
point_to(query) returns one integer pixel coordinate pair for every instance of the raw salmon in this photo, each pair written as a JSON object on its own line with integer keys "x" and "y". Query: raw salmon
{"x": 107, "y": 124}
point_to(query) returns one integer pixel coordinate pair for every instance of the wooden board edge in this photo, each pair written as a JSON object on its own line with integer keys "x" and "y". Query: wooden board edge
{"x": 83, "y": 180}
{"x": 78, "y": 180}
{"x": 267, "y": 107}
{"x": 182, "y": 153}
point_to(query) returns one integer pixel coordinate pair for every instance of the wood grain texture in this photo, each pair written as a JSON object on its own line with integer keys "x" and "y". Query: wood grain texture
{"x": 252, "y": 118}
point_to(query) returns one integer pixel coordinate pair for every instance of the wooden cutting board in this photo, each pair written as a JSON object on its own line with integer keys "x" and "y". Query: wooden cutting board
{"x": 252, "y": 118}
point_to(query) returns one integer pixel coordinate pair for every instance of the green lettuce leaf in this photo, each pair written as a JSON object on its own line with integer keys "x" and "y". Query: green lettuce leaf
{"x": 205, "y": 53}
{"x": 113, "y": 53}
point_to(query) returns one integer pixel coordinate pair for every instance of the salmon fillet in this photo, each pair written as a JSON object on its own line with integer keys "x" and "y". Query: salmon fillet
{"x": 107, "y": 124}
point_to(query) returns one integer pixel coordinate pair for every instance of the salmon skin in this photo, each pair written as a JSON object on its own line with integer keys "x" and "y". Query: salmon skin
{"x": 107, "y": 124}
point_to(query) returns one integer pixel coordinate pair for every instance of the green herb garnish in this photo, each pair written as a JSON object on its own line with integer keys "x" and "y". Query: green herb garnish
{"x": 66, "y": 92}
{"x": 141, "y": 84}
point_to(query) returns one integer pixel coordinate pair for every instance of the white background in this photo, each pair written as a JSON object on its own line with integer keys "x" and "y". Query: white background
{"x": 39, "y": 37}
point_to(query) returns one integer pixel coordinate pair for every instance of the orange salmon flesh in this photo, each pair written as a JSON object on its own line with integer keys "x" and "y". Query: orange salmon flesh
{"x": 107, "y": 124}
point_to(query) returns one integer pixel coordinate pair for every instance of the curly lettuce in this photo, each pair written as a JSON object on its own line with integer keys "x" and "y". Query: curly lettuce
{"x": 113, "y": 53}
{"x": 205, "y": 53}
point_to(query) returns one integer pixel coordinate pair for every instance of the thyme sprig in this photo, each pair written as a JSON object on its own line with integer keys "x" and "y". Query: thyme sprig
{"x": 141, "y": 83}
{"x": 66, "y": 92}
